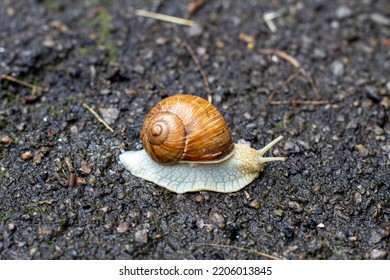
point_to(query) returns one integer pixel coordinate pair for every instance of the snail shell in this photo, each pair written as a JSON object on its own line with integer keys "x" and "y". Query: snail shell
{"x": 188, "y": 148}
{"x": 186, "y": 128}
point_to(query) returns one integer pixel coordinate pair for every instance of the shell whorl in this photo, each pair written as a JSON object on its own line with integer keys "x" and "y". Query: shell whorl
{"x": 186, "y": 128}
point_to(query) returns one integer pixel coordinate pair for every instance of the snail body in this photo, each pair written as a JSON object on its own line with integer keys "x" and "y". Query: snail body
{"x": 188, "y": 148}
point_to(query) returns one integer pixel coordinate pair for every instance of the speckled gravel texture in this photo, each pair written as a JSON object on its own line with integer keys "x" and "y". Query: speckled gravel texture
{"x": 64, "y": 195}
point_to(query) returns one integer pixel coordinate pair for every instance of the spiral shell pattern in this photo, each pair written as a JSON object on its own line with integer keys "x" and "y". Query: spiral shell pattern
{"x": 186, "y": 128}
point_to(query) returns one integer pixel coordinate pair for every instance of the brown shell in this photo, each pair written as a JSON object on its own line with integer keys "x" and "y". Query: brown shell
{"x": 186, "y": 128}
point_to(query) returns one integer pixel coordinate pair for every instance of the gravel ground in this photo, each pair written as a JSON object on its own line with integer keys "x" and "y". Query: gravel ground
{"x": 63, "y": 193}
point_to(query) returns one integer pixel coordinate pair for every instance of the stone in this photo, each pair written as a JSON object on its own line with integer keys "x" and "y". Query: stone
{"x": 343, "y": 12}
{"x": 141, "y": 236}
{"x": 109, "y": 114}
{"x": 376, "y": 254}
{"x": 337, "y": 68}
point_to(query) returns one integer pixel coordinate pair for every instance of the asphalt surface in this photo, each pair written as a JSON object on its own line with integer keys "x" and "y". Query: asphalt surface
{"x": 63, "y": 193}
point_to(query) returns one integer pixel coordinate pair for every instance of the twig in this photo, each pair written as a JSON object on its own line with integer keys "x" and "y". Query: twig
{"x": 301, "y": 102}
{"x": 241, "y": 249}
{"x": 163, "y": 17}
{"x": 293, "y": 61}
{"x": 36, "y": 90}
{"x": 16, "y": 80}
{"x": 296, "y": 64}
{"x": 98, "y": 117}
{"x": 197, "y": 63}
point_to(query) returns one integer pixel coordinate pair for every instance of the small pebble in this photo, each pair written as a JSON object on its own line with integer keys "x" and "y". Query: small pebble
{"x": 33, "y": 251}
{"x": 49, "y": 42}
{"x": 220, "y": 44}
{"x": 378, "y": 130}
{"x": 138, "y": 68}
{"x": 319, "y": 53}
{"x": 81, "y": 181}
{"x": 194, "y": 30}
{"x": 44, "y": 231}
{"x": 121, "y": 194}
{"x": 85, "y": 169}
{"x": 141, "y": 236}
{"x": 304, "y": 144}
{"x": 320, "y": 225}
{"x": 276, "y": 152}
{"x": 293, "y": 205}
{"x": 26, "y": 155}
{"x": 386, "y": 102}
{"x": 21, "y": 126}
{"x": 105, "y": 91}
{"x": 358, "y": 197}
{"x": 353, "y": 238}
{"x": 291, "y": 147}
{"x": 74, "y": 130}
{"x": 92, "y": 180}
{"x": 218, "y": 219}
{"x": 361, "y": 149}
{"x": 386, "y": 148}
{"x": 38, "y": 155}
{"x": 6, "y": 139}
{"x": 122, "y": 228}
{"x": 109, "y": 114}
{"x": 149, "y": 214}
{"x": 380, "y": 19}
{"x": 60, "y": 26}
{"x": 10, "y": 11}
{"x": 337, "y": 68}
{"x": 279, "y": 212}
{"x": 200, "y": 223}
{"x": 161, "y": 41}
{"x": 244, "y": 142}
{"x": 375, "y": 238}
{"x": 25, "y": 217}
{"x": 199, "y": 198}
{"x": 201, "y": 51}
{"x": 343, "y": 12}
{"x": 11, "y": 226}
{"x": 131, "y": 91}
{"x": 378, "y": 254}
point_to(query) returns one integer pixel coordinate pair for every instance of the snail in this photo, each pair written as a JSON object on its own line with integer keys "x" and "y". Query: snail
{"x": 188, "y": 148}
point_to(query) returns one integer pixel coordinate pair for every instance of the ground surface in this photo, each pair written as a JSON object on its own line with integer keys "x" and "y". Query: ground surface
{"x": 63, "y": 194}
